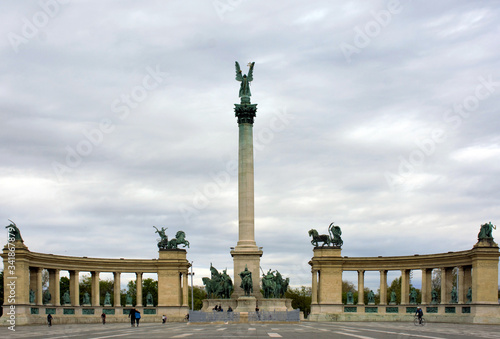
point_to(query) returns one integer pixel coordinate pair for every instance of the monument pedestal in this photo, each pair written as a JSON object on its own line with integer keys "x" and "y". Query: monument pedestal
{"x": 246, "y": 304}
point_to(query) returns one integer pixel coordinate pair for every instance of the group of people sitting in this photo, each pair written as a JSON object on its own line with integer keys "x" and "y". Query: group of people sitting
{"x": 218, "y": 308}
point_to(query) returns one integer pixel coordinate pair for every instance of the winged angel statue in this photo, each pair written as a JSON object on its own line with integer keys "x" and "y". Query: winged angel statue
{"x": 245, "y": 79}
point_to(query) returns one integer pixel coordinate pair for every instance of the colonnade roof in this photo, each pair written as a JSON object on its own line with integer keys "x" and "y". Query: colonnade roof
{"x": 416, "y": 261}
{"x": 84, "y": 264}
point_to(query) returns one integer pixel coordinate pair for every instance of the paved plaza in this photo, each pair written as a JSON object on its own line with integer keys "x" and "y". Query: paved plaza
{"x": 258, "y": 330}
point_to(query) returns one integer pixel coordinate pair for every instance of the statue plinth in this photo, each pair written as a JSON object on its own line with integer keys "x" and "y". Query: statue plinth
{"x": 486, "y": 242}
{"x": 246, "y": 304}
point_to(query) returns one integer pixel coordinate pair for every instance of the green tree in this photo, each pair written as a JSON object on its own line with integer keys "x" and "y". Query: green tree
{"x": 396, "y": 287}
{"x": 106, "y": 286}
{"x": 301, "y": 298}
{"x": 63, "y": 287}
{"x": 85, "y": 286}
{"x": 150, "y": 286}
{"x": 132, "y": 290}
{"x": 199, "y": 295}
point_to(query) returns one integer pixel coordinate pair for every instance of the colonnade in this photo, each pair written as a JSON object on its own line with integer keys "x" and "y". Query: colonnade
{"x": 477, "y": 270}
{"x": 35, "y": 285}
{"x": 23, "y": 276}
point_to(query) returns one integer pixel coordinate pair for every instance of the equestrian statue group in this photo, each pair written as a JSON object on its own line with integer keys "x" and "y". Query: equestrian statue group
{"x": 219, "y": 286}
{"x": 332, "y": 239}
{"x": 165, "y": 244}
{"x": 274, "y": 286}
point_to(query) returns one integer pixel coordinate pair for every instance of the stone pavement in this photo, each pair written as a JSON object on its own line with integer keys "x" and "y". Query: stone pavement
{"x": 363, "y": 330}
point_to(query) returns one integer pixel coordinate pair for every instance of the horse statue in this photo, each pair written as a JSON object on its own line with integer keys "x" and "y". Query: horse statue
{"x": 178, "y": 240}
{"x": 208, "y": 287}
{"x": 335, "y": 233}
{"x": 316, "y": 238}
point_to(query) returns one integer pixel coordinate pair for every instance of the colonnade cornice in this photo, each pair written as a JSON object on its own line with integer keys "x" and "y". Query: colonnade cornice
{"x": 417, "y": 261}
{"x": 88, "y": 264}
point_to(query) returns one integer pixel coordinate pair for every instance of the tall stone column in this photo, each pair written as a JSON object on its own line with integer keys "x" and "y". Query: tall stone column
{"x": 184, "y": 289}
{"x": 314, "y": 290}
{"x": 361, "y": 287}
{"x": 55, "y": 287}
{"x": 246, "y": 253}
{"x": 95, "y": 288}
{"x": 74, "y": 287}
{"x": 426, "y": 285}
{"x": 405, "y": 287}
{"x": 446, "y": 284}
{"x": 138, "y": 301}
{"x": 39, "y": 287}
{"x": 461, "y": 291}
{"x": 383, "y": 287}
{"x": 467, "y": 280}
{"x": 116, "y": 288}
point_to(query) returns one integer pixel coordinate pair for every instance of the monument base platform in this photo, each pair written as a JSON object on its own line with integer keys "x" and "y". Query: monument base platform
{"x": 248, "y": 304}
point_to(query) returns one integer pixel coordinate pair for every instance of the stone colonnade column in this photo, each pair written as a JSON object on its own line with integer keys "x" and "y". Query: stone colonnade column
{"x": 426, "y": 285}
{"x": 55, "y": 287}
{"x": 314, "y": 297}
{"x": 184, "y": 289}
{"x": 383, "y": 287}
{"x": 138, "y": 301}
{"x": 467, "y": 280}
{"x": 361, "y": 287}
{"x": 74, "y": 287}
{"x": 461, "y": 287}
{"x": 405, "y": 286}
{"x": 446, "y": 284}
{"x": 95, "y": 288}
{"x": 116, "y": 288}
{"x": 39, "y": 287}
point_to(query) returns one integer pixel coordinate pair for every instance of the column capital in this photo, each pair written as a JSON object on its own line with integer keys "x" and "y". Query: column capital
{"x": 245, "y": 113}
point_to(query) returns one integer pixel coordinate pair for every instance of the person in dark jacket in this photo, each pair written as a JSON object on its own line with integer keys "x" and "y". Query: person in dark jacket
{"x": 131, "y": 315}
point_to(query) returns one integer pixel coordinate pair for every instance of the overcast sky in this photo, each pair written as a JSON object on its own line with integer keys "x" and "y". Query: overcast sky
{"x": 380, "y": 116}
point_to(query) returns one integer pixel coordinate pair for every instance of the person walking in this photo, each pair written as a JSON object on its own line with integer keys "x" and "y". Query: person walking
{"x": 49, "y": 319}
{"x": 137, "y": 317}
{"x": 103, "y": 318}
{"x": 163, "y": 319}
{"x": 131, "y": 315}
